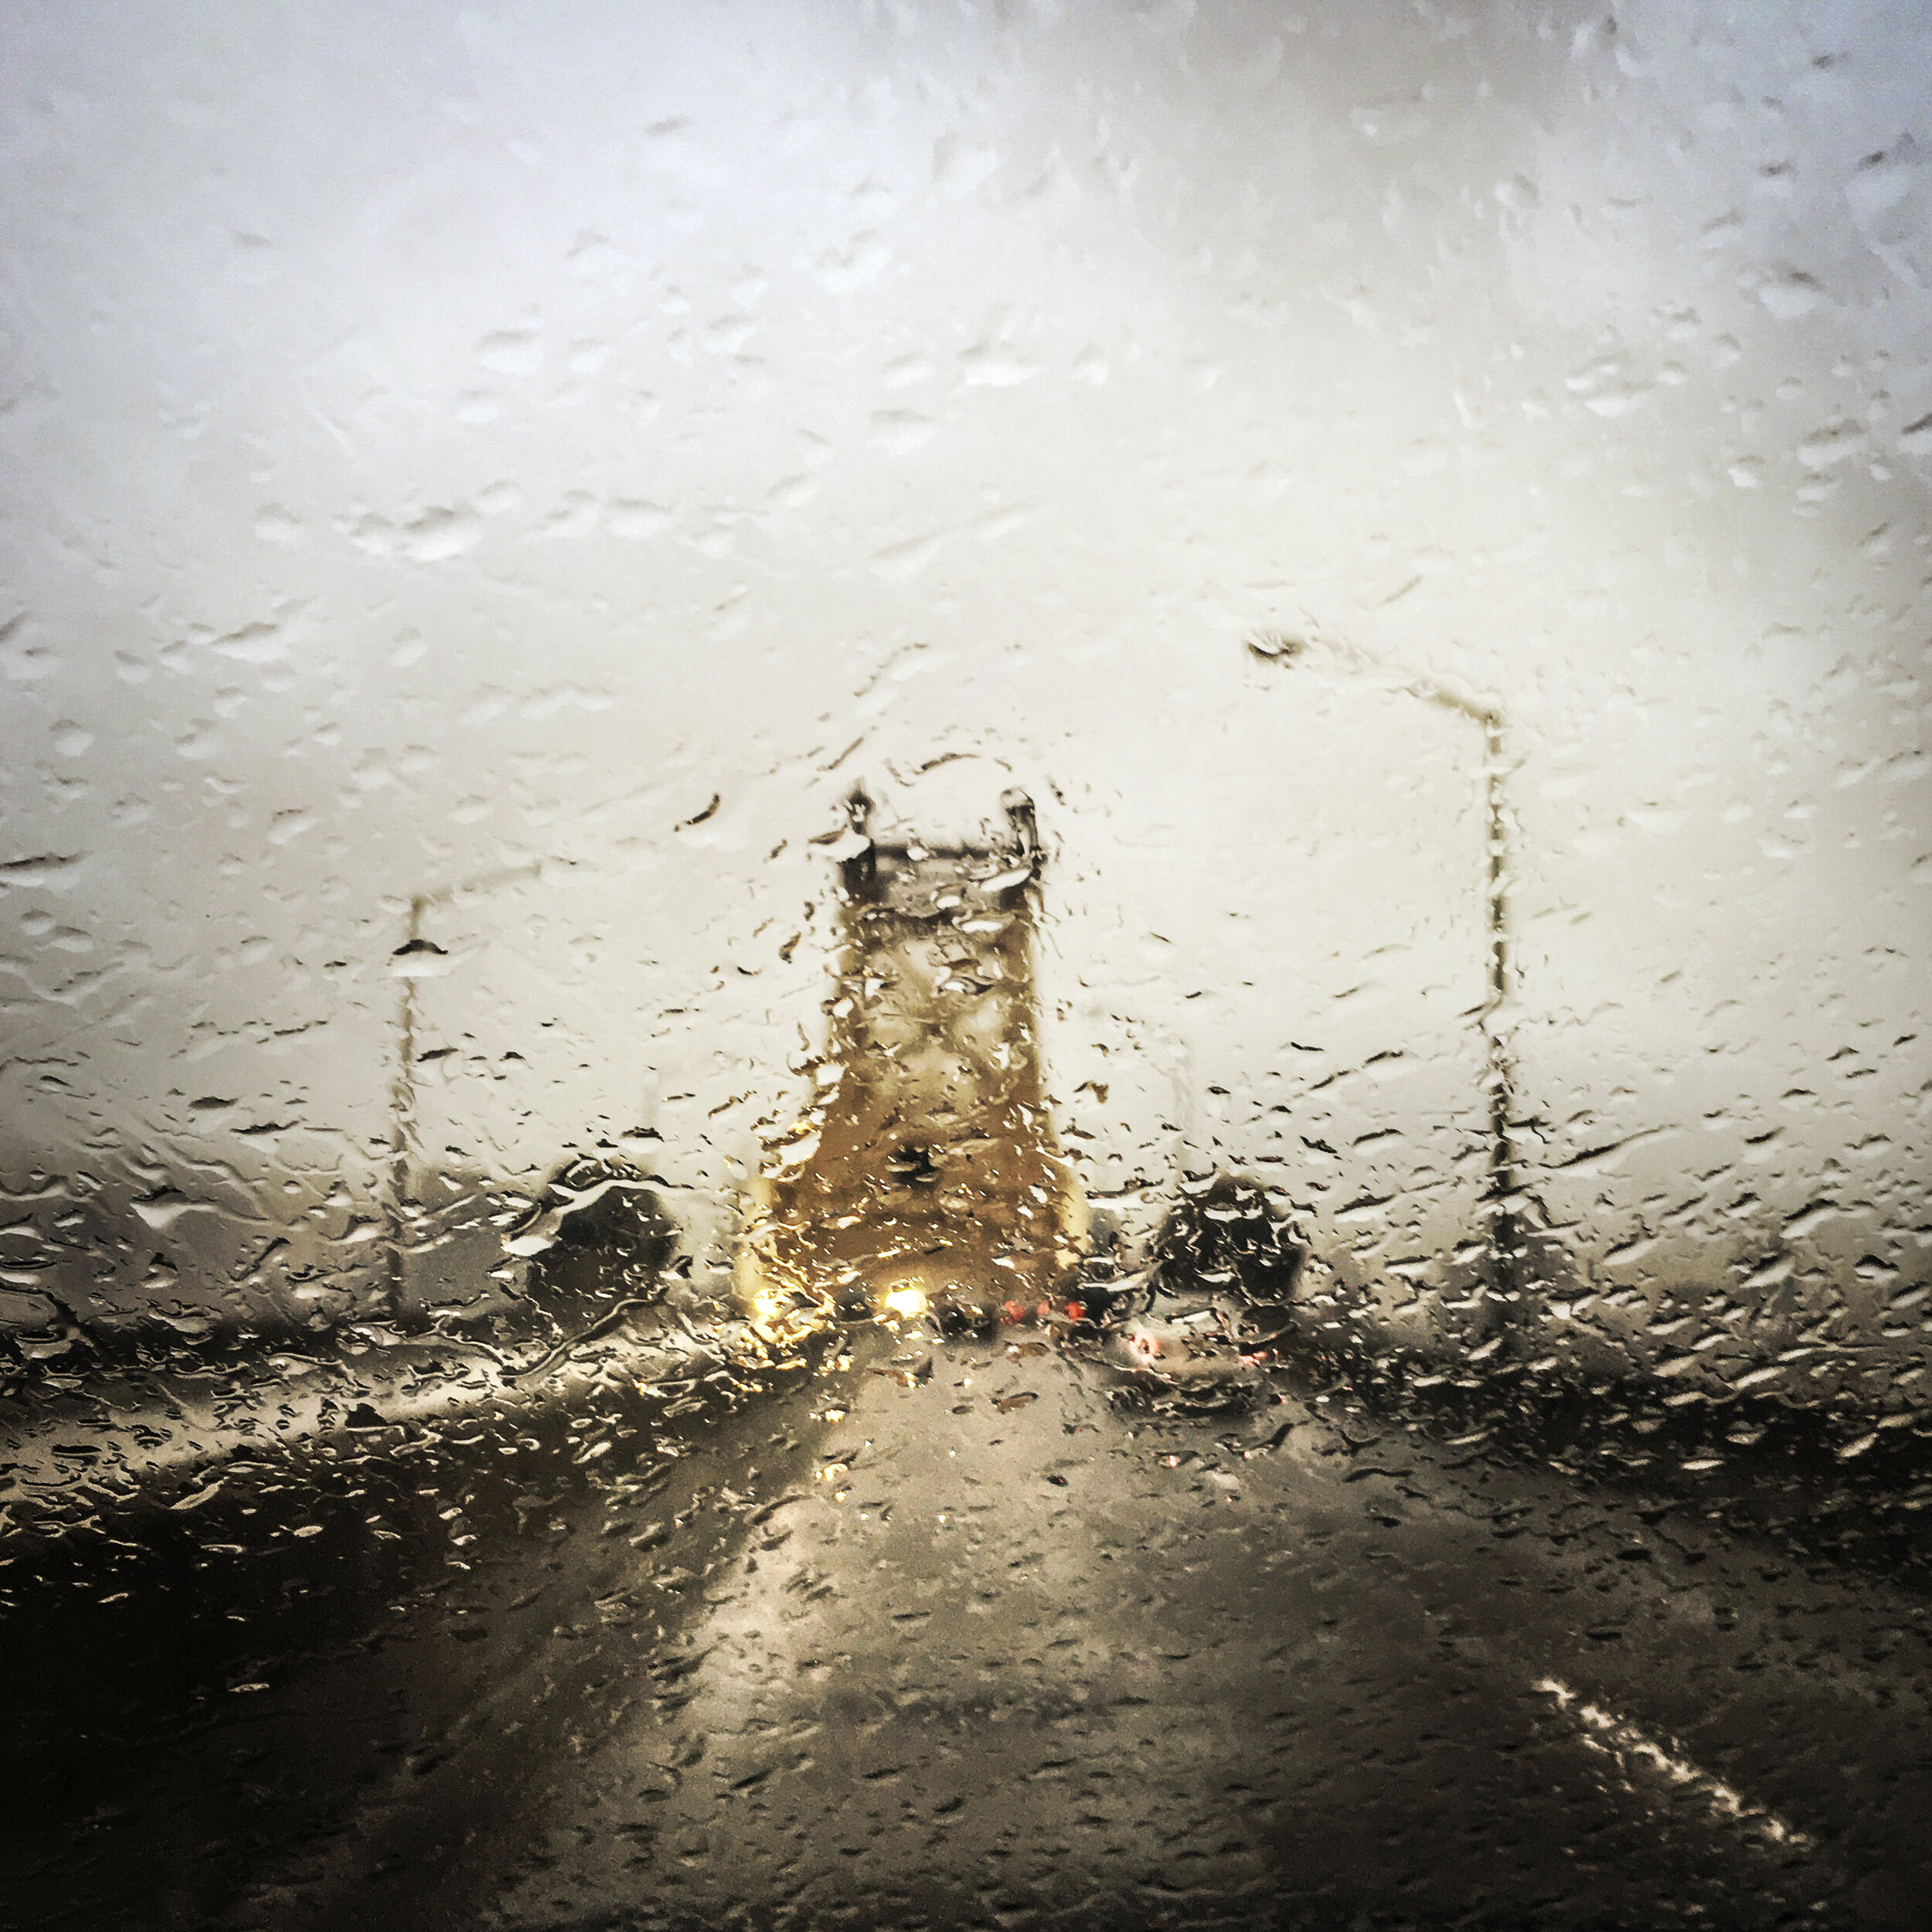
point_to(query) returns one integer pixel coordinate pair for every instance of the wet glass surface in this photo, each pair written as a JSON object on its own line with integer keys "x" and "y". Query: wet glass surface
{"x": 963, "y": 965}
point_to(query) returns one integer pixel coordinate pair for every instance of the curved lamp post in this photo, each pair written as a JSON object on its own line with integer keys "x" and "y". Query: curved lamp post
{"x": 1500, "y": 1202}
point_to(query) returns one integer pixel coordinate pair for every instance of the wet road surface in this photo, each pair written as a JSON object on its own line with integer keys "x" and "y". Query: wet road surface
{"x": 975, "y": 1645}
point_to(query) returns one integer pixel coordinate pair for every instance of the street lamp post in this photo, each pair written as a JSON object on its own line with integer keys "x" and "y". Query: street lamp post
{"x": 1500, "y": 1201}
{"x": 419, "y": 958}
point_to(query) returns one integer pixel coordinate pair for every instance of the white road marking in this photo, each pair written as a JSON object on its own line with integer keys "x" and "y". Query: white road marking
{"x": 1616, "y": 1737}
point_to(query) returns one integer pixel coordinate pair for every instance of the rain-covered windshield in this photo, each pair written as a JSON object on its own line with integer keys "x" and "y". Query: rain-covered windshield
{"x": 963, "y": 965}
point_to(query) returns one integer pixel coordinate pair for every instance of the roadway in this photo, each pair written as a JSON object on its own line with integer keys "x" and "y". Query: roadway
{"x": 950, "y": 1635}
